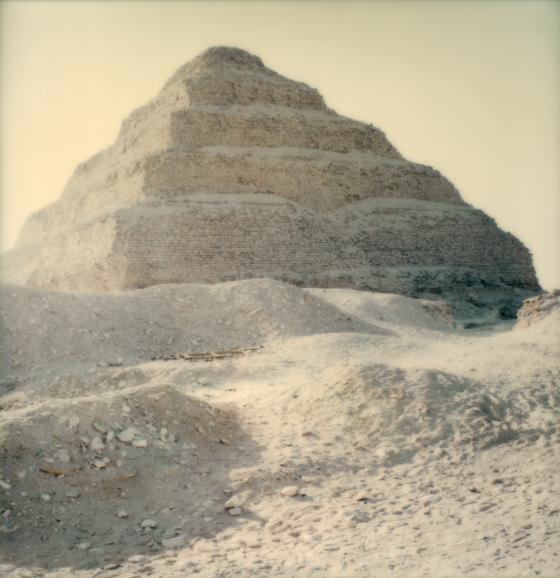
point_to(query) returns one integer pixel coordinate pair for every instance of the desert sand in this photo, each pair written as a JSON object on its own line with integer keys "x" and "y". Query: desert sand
{"x": 254, "y": 428}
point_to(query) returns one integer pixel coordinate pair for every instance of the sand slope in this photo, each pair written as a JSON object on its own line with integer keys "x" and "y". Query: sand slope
{"x": 353, "y": 434}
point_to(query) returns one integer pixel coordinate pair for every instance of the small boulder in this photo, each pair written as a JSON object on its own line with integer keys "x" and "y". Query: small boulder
{"x": 290, "y": 491}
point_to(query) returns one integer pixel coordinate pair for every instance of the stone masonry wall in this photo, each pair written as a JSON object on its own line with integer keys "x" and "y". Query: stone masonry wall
{"x": 317, "y": 180}
{"x": 228, "y": 240}
{"x": 428, "y": 234}
{"x": 275, "y": 127}
{"x": 272, "y": 238}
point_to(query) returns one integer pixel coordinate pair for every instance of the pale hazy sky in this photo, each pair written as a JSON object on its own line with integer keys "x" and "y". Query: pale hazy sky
{"x": 471, "y": 88}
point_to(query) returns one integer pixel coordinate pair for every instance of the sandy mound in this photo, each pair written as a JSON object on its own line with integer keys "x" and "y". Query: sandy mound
{"x": 395, "y": 413}
{"x": 389, "y": 308}
{"x": 87, "y": 472}
{"x": 50, "y": 331}
{"x": 539, "y": 308}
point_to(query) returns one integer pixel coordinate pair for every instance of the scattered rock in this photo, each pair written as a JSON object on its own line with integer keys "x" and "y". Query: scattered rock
{"x": 72, "y": 493}
{"x": 148, "y": 524}
{"x": 128, "y": 434}
{"x": 13, "y": 400}
{"x": 83, "y": 545}
{"x": 139, "y": 559}
{"x": 96, "y": 444}
{"x": 176, "y": 542}
{"x": 234, "y": 502}
{"x": 47, "y": 468}
{"x": 235, "y": 512}
{"x": 358, "y": 516}
{"x": 290, "y": 491}
{"x": 140, "y": 443}
{"x": 122, "y": 514}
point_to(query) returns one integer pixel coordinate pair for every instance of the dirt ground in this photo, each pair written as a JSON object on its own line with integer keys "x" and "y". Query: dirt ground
{"x": 329, "y": 433}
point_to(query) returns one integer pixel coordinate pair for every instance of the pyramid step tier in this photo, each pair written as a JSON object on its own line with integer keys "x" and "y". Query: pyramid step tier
{"x": 271, "y": 127}
{"x": 314, "y": 179}
{"x": 212, "y": 238}
{"x": 242, "y": 87}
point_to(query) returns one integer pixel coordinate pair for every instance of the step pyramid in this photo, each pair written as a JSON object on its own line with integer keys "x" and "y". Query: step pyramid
{"x": 233, "y": 171}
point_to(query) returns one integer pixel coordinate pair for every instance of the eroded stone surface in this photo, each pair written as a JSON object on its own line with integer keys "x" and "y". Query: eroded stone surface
{"x": 234, "y": 171}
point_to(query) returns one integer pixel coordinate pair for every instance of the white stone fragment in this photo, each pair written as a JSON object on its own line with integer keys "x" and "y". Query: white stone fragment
{"x": 234, "y": 502}
{"x": 128, "y": 434}
{"x": 290, "y": 491}
{"x": 96, "y": 444}
{"x": 148, "y": 524}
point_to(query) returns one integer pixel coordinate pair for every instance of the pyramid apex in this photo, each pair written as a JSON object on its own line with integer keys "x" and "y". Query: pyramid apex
{"x": 228, "y": 55}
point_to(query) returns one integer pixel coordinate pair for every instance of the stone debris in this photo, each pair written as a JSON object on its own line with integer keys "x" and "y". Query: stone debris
{"x": 290, "y": 491}
{"x": 148, "y": 523}
{"x": 128, "y": 435}
{"x": 139, "y": 559}
{"x": 234, "y": 502}
{"x": 538, "y": 308}
{"x": 51, "y": 469}
{"x": 358, "y": 516}
{"x": 140, "y": 443}
{"x": 13, "y": 400}
{"x": 96, "y": 444}
{"x": 176, "y": 542}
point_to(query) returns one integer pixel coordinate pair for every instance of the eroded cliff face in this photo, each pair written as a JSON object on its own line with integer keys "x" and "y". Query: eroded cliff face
{"x": 234, "y": 171}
